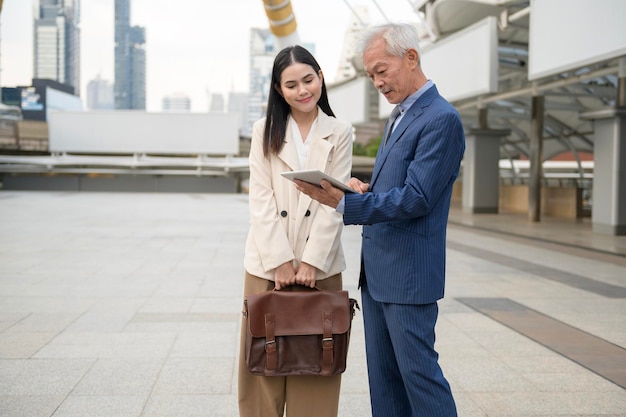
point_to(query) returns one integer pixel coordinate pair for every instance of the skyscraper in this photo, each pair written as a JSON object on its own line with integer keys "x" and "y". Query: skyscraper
{"x": 99, "y": 94}
{"x": 130, "y": 60}
{"x": 56, "y": 42}
{"x": 217, "y": 103}
{"x": 263, "y": 49}
{"x": 238, "y": 103}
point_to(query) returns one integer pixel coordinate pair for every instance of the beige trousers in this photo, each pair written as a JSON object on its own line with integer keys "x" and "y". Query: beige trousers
{"x": 303, "y": 396}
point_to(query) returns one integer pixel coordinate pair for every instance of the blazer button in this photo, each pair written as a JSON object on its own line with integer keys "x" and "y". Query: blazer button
{"x": 283, "y": 213}
{"x": 308, "y": 213}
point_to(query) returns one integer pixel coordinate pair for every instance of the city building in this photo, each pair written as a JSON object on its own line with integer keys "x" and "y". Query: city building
{"x": 56, "y": 42}
{"x": 100, "y": 94}
{"x": 130, "y": 60}
{"x": 217, "y": 103}
{"x": 42, "y": 95}
{"x": 360, "y": 21}
{"x": 263, "y": 48}
{"x": 238, "y": 103}
{"x": 176, "y": 102}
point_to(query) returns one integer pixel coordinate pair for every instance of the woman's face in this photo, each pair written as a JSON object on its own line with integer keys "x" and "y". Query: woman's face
{"x": 301, "y": 87}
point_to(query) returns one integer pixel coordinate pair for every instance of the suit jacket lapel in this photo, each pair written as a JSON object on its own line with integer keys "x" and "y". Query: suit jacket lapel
{"x": 383, "y": 151}
{"x": 412, "y": 113}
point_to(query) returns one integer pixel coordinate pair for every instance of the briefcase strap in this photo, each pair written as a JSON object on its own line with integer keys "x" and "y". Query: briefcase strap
{"x": 270, "y": 343}
{"x": 327, "y": 344}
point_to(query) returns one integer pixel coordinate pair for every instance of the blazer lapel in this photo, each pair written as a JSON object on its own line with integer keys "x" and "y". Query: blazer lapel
{"x": 320, "y": 153}
{"x": 414, "y": 112}
{"x": 289, "y": 154}
{"x": 383, "y": 151}
{"x": 320, "y": 149}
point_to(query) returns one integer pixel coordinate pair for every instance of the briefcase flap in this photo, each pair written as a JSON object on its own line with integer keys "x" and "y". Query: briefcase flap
{"x": 298, "y": 312}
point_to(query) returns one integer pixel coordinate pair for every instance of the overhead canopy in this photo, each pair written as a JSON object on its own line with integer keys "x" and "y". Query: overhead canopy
{"x": 588, "y": 83}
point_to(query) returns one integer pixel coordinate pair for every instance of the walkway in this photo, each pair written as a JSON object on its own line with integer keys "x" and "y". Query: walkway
{"x": 128, "y": 305}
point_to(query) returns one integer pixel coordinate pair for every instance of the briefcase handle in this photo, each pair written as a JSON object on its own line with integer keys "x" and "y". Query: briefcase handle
{"x": 301, "y": 288}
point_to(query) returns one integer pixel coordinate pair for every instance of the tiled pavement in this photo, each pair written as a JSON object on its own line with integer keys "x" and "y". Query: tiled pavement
{"x": 128, "y": 305}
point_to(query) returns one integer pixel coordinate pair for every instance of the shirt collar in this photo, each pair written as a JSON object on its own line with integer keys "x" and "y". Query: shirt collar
{"x": 410, "y": 100}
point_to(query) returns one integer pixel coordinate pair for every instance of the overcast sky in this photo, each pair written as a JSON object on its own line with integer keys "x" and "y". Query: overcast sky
{"x": 196, "y": 47}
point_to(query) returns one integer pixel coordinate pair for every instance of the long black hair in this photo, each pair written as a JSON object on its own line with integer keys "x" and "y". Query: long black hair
{"x": 277, "y": 107}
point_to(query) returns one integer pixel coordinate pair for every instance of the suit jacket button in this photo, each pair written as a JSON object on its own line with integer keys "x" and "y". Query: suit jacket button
{"x": 308, "y": 213}
{"x": 283, "y": 213}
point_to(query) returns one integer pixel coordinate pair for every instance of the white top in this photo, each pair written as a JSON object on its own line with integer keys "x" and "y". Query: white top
{"x": 302, "y": 146}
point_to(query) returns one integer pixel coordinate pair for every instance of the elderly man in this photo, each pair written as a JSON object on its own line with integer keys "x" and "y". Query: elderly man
{"x": 404, "y": 213}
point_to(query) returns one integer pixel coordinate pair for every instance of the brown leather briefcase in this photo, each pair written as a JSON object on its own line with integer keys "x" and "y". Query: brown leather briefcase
{"x": 298, "y": 332}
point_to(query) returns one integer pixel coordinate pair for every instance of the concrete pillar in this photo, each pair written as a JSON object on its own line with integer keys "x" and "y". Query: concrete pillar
{"x": 620, "y": 101}
{"x": 536, "y": 159}
{"x": 608, "y": 214}
{"x": 481, "y": 170}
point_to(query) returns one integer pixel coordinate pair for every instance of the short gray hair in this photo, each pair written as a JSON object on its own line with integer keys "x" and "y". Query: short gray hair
{"x": 400, "y": 37}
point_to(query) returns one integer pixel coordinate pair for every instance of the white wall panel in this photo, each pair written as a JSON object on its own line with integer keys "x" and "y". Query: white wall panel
{"x": 59, "y": 100}
{"x": 349, "y": 100}
{"x": 141, "y": 132}
{"x": 466, "y": 63}
{"x": 568, "y": 34}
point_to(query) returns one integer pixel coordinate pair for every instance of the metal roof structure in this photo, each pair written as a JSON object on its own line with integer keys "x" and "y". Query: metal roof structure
{"x": 567, "y": 94}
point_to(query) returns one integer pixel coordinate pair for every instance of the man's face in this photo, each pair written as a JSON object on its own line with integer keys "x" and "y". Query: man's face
{"x": 393, "y": 76}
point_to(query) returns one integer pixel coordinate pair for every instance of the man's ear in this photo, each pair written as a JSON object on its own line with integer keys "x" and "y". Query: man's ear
{"x": 412, "y": 56}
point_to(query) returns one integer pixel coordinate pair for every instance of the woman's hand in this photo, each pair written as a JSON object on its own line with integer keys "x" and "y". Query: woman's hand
{"x": 305, "y": 275}
{"x": 285, "y": 276}
{"x": 327, "y": 195}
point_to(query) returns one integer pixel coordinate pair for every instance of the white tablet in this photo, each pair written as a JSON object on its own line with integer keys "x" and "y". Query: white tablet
{"x": 315, "y": 176}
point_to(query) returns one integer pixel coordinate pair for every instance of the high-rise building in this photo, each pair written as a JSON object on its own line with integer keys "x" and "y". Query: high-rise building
{"x": 99, "y": 94}
{"x": 238, "y": 103}
{"x": 130, "y": 60}
{"x": 217, "y": 103}
{"x": 176, "y": 102}
{"x": 56, "y": 42}
{"x": 263, "y": 49}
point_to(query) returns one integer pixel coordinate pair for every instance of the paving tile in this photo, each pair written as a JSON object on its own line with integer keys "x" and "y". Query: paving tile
{"x": 23, "y": 345}
{"x": 29, "y": 405}
{"x": 120, "y": 377}
{"x": 108, "y": 345}
{"x": 101, "y": 406}
{"x": 49, "y": 377}
{"x": 190, "y": 406}
{"x": 196, "y": 376}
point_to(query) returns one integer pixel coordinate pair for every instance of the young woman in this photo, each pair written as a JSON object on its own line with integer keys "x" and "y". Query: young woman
{"x": 293, "y": 239}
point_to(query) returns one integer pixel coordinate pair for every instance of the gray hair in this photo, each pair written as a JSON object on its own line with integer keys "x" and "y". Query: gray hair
{"x": 400, "y": 37}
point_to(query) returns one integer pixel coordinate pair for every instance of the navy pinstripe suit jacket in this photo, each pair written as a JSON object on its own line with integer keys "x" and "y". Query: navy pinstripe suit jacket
{"x": 405, "y": 213}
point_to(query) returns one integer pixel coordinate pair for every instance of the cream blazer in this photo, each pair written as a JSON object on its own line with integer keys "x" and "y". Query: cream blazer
{"x": 285, "y": 224}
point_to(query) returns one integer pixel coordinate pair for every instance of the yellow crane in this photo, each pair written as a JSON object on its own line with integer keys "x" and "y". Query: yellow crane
{"x": 282, "y": 21}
